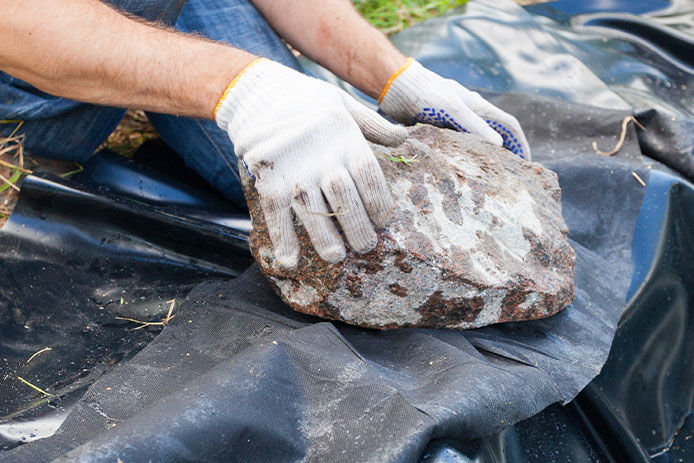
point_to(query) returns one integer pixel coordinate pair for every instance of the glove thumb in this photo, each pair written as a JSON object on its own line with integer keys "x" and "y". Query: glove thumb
{"x": 375, "y": 128}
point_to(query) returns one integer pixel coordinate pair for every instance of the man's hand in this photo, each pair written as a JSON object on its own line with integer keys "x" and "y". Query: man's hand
{"x": 415, "y": 94}
{"x": 303, "y": 139}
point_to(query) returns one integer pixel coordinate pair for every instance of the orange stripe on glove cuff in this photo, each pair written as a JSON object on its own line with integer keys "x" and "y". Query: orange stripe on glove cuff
{"x": 233, "y": 82}
{"x": 393, "y": 77}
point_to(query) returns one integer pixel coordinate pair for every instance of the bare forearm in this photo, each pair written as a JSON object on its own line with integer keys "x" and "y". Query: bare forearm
{"x": 332, "y": 33}
{"x": 84, "y": 50}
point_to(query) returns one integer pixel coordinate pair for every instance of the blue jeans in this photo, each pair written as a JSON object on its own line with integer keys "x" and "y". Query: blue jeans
{"x": 65, "y": 129}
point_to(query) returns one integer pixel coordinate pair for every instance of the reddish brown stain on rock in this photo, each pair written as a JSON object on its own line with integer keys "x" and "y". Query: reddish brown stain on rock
{"x": 439, "y": 310}
{"x": 401, "y": 262}
{"x": 353, "y": 286}
{"x": 538, "y": 248}
{"x": 398, "y": 290}
{"x": 418, "y": 245}
{"x": 372, "y": 262}
{"x": 420, "y": 198}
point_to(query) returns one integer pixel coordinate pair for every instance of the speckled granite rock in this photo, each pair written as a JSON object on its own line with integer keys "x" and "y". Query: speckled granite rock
{"x": 476, "y": 237}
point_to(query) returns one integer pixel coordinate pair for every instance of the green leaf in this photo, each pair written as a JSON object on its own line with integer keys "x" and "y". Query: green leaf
{"x": 15, "y": 177}
{"x": 403, "y": 159}
{"x": 72, "y": 172}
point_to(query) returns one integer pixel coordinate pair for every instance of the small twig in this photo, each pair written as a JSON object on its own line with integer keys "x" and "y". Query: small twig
{"x": 390, "y": 212}
{"x": 142, "y": 324}
{"x": 162, "y": 322}
{"x": 8, "y": 148}
{"x": 13, "y": 166}
{"x": 45, "y": 349}
{"x": 638, "y": 179}
{"x": 329, "y": 214}
{"x": 622, "y": 136}
{"x": 171, "y": 303}
{"x": 36, "y": 388}
{"x": 20, "y": 149}
{"x": 9, "y": 138}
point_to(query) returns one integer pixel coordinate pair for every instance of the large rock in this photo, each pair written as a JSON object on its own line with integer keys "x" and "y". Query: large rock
{"x": 476, "y": 237}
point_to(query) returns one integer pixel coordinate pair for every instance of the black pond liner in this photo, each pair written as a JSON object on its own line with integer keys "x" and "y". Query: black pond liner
{"x": 236, "y": 375}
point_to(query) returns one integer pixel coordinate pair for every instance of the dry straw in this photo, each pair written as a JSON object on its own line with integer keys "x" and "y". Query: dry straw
{"x": 622, "y": 137}
{"x": 162, "y": 322}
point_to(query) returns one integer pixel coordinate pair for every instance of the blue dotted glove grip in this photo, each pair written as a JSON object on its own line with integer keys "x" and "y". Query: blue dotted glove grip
{"x": 511, "y": 142}
{"x": 441, "y": 118}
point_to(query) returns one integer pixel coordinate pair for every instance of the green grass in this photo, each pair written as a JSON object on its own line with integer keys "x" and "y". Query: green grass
{"x": 391, "y": 16}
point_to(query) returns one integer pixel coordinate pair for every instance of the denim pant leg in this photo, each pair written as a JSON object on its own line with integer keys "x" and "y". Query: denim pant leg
{"x": 54, "y": 127}
{"x": 204, "y": 146}
{"x": 65, "y": 129}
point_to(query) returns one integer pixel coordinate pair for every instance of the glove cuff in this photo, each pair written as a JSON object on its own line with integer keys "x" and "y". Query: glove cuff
{"x": 224, "y": 109}
{"x": 398, "y": 96}
{"x": 395, "y": 75}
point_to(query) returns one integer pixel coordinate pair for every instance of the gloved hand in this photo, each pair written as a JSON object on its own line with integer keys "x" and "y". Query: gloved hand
{"x": 415, "y": 94}
{"x": 302, "y": 138}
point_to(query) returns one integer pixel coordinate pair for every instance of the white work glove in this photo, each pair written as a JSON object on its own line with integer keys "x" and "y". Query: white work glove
{"x": 302, "y": 139}
{"x": 415, "y": 94}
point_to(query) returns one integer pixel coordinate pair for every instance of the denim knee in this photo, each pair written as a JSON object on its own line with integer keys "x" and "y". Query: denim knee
{"x": 60, "y": 128}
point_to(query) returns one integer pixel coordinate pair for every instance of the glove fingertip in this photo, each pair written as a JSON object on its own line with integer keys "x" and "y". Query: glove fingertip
{"x": 333, "y": 254}
{"x": 489, "y": 134}
{"x": 513, "y": 138}
{"x": 288, "y": 260}
{"x": 380, "y": 215}
{"x": 495, "y": 138}
{"x": 373, "y": 126}
{"x": 367, "y": 243}
{"x": 396, "y": 136}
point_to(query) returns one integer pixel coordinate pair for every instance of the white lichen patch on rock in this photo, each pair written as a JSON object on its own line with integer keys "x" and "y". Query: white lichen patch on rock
{"x": 445, "y": 232}
{"x": 300, "y": 294}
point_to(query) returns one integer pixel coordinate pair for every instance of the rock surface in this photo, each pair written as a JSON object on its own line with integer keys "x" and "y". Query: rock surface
{"x": 476, "y": 237}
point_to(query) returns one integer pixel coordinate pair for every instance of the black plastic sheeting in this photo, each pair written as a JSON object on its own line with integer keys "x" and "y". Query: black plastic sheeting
{"x": 238, "y": 376}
